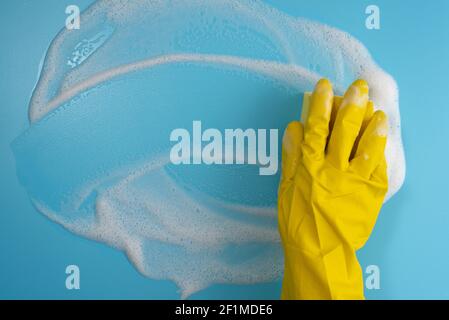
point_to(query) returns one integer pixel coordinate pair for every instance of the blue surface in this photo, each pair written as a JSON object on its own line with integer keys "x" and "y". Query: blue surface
{"x": 408, "y": 243}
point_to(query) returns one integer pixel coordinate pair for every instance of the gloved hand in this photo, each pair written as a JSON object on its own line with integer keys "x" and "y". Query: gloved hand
{"x": 333, "y": 184}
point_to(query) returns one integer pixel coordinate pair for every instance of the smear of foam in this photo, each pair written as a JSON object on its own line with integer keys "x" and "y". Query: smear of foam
{"x": 95, "y": 158}
{"x": 290, "y": 74}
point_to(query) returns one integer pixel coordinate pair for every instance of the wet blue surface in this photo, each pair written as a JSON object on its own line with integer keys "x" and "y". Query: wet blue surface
{"x": 408, "y": 243}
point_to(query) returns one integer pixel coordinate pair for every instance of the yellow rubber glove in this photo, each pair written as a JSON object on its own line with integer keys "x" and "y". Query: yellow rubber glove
{"x": 334, "y": 180}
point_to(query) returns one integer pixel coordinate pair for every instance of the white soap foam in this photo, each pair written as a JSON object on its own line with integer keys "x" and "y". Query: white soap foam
{"x": 166, "y": 232}
{"x": 293, "y": 75}
{"x": 139, "y": 220}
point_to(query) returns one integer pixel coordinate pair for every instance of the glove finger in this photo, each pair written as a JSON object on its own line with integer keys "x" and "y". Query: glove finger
{"x": 371, "y": 148}
{"x": 366, "y": 120}
{"x": 291, "y": 150}
{"x": 348, "y": 124}
{"x": 316, "y": 128}
{"x": 380, "y": 174}
{"x": 335, "y": 107}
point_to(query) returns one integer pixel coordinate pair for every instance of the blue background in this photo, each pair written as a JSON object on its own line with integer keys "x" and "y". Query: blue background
{"x": 409, "y": 243}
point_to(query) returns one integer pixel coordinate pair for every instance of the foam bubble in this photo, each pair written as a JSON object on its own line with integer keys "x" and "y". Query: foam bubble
{"x": 95, "y": 156}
